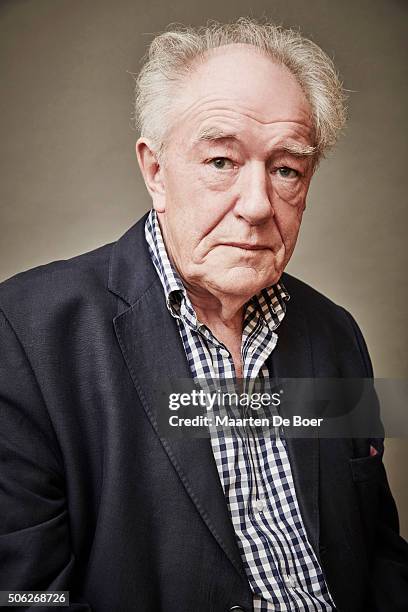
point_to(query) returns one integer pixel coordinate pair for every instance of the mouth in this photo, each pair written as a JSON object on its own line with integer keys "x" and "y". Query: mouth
{"x": 245, "y": 246}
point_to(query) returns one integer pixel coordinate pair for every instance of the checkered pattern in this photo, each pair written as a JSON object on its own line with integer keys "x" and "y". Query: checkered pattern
{"x": 281, "y": 566}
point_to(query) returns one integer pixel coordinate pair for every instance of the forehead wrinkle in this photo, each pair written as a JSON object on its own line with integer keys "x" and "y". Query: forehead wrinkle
{"x": 222, "y": 124}
{"x": 233, "y": 106}
{"x": 228, "y": 132}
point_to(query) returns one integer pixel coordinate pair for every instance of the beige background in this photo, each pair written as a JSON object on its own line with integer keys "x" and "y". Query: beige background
{"x": 69, "y": 180}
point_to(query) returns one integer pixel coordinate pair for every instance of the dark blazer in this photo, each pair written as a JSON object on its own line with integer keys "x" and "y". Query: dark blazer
{"x": 93, "y": 500}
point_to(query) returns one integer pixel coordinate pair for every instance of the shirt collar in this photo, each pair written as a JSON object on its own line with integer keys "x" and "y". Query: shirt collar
{"x": 269, "y": 302}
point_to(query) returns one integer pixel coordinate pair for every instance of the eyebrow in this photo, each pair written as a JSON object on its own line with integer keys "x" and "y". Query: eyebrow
{"x": 297, "y": 149}
{"x": 213, "y": 134}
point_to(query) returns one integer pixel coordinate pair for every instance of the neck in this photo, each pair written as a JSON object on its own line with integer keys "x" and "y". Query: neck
{"x": 220, "y": 316}
{"x": 221, "y": 310}
{"x": 225, "y": 322}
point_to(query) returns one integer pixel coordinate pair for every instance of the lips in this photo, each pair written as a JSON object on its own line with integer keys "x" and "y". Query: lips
{"x": 245, "y": 245}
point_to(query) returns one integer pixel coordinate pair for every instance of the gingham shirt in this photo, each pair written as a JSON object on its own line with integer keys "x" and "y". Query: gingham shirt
{"x": 281, "y": 566}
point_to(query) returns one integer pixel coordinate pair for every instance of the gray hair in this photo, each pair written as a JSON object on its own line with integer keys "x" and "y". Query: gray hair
{"x": 172, "y": 55}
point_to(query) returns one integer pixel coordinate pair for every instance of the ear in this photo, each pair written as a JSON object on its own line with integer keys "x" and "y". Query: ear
{"x": 152, "y": 173}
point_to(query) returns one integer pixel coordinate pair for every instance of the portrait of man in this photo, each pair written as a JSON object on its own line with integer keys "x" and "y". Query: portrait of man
{"x": 234, "y": 121}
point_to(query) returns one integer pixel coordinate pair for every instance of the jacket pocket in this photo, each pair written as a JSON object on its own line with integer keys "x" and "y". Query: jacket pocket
{"x": 366, "y": 468}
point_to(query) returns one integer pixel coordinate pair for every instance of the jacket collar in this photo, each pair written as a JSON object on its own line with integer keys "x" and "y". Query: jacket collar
{"x": 130, "y": 268}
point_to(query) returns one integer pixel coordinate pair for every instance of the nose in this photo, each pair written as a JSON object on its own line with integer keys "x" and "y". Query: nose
{"x": 254, "y": 202}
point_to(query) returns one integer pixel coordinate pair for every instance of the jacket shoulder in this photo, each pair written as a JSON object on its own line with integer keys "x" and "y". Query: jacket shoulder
{"x": 329, "y": 323}
{"x": 309, "y": 297}
{"x": 41, "y": 288}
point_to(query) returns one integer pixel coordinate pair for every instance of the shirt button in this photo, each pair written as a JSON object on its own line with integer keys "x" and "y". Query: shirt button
{"x": 290, "y": 582}
{"x": 260, "y": 505}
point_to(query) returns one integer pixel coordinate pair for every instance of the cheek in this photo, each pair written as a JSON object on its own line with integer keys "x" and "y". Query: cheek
{"x": 216, "y": 181}
{"x": 292, "y": 194}
{"x": 288, "y": 219}
{"x": 195, "y": 211}
{"x": 290, "y": 231}
{"x": 195, "y": 190}
{"x": 289, "y": 204}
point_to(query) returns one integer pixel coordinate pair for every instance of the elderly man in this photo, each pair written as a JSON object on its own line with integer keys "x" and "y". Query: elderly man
{"x": 94, "y": 499}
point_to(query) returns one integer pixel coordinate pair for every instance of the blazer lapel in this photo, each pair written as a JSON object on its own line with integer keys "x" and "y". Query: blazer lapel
{"x": 152, "y": 348}
{"x": 292, "y": 358}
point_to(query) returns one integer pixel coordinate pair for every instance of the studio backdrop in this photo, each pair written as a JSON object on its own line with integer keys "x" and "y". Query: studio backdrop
{"x": 70, "y": 181}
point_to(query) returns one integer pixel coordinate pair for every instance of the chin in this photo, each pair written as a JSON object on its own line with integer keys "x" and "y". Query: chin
{"x": 245, "y": 281}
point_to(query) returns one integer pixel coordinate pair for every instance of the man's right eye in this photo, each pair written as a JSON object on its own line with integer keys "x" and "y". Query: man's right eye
{"x": 221, "y": 163}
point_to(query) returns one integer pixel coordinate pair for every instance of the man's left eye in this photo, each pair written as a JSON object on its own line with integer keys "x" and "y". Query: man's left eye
{"x": 286, "y": 172}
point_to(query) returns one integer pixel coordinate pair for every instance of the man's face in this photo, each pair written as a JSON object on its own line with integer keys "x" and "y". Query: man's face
{"x": 236, "y": 173}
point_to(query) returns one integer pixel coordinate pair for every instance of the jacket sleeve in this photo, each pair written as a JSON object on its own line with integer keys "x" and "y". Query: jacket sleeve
{"x": 35, "y": 553}
{"x": 389, "y": 576}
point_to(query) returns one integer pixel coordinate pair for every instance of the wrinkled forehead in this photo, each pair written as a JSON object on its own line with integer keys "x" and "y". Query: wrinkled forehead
{"x": 238, "y": 84}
